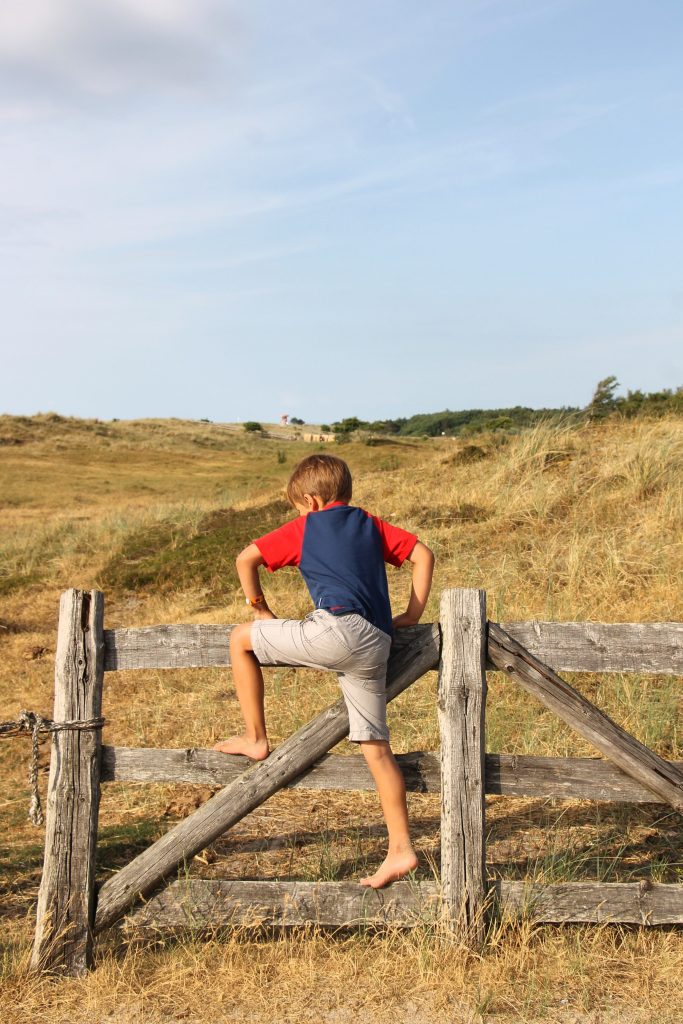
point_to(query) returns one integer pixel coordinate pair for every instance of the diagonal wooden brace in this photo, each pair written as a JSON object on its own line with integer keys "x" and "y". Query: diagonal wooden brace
{"x": 661, "y": 777}
{"x": 414, "y": 654}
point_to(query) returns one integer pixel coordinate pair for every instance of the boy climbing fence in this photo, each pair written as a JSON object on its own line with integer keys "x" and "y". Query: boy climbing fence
{"x": 463, "y": 646}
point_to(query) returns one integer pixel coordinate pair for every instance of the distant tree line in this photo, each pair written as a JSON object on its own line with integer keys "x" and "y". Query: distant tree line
{"x": 605, "y": 402}
{"x": 466, "y": 421}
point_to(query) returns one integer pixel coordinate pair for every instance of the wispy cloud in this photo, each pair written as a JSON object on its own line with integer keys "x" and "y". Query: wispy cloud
{"x": 58, "y": 50}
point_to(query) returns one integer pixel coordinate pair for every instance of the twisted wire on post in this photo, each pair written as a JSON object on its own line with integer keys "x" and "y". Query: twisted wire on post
{"x": 35, "y": 811}
{"x": 31, "y": 721}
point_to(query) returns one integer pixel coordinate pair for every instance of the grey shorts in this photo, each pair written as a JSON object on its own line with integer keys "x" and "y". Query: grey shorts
{"x": 346, "y": 644}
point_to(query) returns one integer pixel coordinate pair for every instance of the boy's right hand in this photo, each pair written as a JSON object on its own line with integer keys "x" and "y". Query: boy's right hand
{"x": 263, "y": 613}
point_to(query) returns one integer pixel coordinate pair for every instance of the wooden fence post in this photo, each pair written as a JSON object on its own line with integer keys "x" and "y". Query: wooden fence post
{"x": 461, "y": 704}
{"x": 64, "y": 926}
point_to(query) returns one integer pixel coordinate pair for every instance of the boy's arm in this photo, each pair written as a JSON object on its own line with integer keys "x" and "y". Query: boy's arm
{"x": 247, "y": 564}
{"x": 422, "y": 560}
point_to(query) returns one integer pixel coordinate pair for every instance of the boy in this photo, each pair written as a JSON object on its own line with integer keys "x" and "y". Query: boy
{"x": 340, "y": 551}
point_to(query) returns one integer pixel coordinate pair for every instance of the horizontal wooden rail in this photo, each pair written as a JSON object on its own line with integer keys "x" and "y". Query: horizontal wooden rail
{"x": 212, "y": 904}
{"x": 201, "y": 646}
{"x": 643, "y": 647}
{"x": 570, "y": 778}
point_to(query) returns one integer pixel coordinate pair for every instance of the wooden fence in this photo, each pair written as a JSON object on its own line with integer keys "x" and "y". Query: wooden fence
{"x": 463, "y": 646}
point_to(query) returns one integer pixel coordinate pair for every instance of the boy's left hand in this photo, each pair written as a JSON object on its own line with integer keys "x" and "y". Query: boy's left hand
{"x": 263, "y": 613}
{"x": 403, "y": 620}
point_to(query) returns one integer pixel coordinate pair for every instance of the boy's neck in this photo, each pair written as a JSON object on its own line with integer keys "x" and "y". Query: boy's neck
{"x": 315, "y": 503}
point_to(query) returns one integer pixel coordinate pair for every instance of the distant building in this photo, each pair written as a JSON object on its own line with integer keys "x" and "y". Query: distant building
{"x": 319, "y": 438}
{"x": 284, "y": 419}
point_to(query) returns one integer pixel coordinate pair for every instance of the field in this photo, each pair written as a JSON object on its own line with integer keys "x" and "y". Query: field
{"x": 556, "y": 522}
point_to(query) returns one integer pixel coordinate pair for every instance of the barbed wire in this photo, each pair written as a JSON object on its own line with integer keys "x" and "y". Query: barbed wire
{"x": 34, "y": 723}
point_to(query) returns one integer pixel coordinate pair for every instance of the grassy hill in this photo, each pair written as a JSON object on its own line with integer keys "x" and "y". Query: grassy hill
{"x": 556, "y": 521}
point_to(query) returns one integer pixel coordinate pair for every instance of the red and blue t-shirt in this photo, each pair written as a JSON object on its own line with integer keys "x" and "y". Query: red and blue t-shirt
{"x": 340, "y": 551}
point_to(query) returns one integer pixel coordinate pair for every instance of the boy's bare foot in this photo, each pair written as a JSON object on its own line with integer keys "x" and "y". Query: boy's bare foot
{"x": 257, "y": 750}
{"x": 393, "y": 867}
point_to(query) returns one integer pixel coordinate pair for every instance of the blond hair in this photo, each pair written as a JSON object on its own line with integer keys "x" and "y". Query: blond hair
{"x": 324, "y": 475}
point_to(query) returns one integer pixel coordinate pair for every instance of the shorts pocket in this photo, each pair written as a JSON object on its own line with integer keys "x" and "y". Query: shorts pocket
{"x": 377, "y": 686}
{"x": 325, "y": 644}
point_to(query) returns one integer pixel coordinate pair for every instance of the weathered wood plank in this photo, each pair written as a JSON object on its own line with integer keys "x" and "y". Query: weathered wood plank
{"x": 209, "y": 768}
{"x": 569, "y": 778}
{"x": 564, "y": 778}
{"x": 214, "y": 904}
{"x": 253, "y": 787}
{"x": 633, "y": 757}
{"x": 461, "y": 702}
{"x": 63, "y": 939}
{"x": 195, "y": 903}
{"x": 193, "y": 645}
{"x": 643, "y": 903}
{"x": 642, "y": 647}
{"x": 564, "y": 646}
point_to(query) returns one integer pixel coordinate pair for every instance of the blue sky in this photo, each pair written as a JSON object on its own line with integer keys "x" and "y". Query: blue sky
{"x": 237, "y": 209}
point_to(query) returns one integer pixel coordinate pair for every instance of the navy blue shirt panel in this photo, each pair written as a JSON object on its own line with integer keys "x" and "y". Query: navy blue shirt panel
{"x": 342, "y": 562}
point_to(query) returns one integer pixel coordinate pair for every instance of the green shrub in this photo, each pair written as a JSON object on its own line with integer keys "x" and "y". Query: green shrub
{"x": 252, "y": 427}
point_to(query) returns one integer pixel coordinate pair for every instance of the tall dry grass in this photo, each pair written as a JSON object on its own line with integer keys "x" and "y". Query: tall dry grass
{"x": 556, "y": 522}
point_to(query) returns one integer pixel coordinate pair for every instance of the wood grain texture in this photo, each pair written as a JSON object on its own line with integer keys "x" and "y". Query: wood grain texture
{"x": 643, "y": 647}
{"x": 660, "y": 776}
{"x": 565, "y": 646}
{"x": 642, "y": 903}
{"x": 202, "y": 905}
{"x": 461, "y": 704}
{"x": 566, "y": 778}
{"x": 177, "y": 646}
{"x": 253, "y": 787}
{"x": 63, "y": 938}
{"x": 195, "y": 903}
{"x": 195, "y": 646}
{"x": 209, "y": 768}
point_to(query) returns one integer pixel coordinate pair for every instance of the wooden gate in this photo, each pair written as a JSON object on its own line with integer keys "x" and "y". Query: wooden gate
{"x": 463, "y": 646}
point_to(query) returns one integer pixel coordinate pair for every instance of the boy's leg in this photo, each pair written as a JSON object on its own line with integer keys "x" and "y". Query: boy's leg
{"x": 401, "y": 857}
{"x": 363, "y": 683}
{"x": 268, "y": 642}
{"x": 248, "y": 680}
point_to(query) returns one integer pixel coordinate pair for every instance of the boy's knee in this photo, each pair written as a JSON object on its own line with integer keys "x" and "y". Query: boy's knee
{"x": 375, "y": 750}
{"x": 240, "y": 638}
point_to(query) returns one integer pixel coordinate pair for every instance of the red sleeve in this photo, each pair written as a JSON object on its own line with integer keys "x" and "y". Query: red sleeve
{"x": 397, "y": 544}
{"x": 282, "y": 546}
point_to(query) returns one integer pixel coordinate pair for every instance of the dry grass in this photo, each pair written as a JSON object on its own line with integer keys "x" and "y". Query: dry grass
{"x": 526, "y": 975}
{"x": 555, "y": 523}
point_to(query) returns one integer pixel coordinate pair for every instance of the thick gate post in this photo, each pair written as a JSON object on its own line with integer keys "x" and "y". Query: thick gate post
{"x": 461, "y": 704}
{"x": 64, "y": 926}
